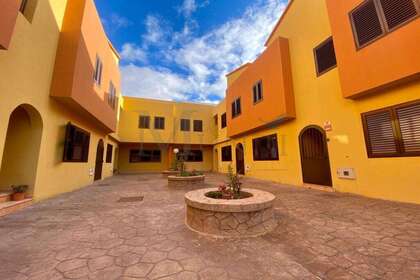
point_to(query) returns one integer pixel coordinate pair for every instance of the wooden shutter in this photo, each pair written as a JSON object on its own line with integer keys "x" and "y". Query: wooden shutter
{"x": 397, "y": 12}
{"x": 379, "y": 133}
{"x": 366, "y": 23}
{"x": 409, "y": 124}
{"x": 325, "y": 56}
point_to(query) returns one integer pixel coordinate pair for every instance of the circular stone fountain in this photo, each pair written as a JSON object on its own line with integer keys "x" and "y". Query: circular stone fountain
{"x": 184, "y": 181}
{"x": 247, "y": 217}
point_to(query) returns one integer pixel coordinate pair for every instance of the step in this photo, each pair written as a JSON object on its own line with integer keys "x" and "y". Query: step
{"x": 5, "y": 196}
{"x": 13, "y": 206}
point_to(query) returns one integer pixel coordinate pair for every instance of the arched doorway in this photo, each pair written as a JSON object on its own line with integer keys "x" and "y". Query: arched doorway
{"x": 240, "y": 159}
{"x": 314, "y": 156}
{"x": 99, "y": 160}
{"x": 21, "y": 149}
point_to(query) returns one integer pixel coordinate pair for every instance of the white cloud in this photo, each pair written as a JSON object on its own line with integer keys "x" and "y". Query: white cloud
{"x": 187, "y": 8}
{"x": 153, "y": 83}
{"x": 132, "y": 53}
{"x": 204, "y": 60}
{"x": 118, "y": 21}
{"x": 156, "y": 31}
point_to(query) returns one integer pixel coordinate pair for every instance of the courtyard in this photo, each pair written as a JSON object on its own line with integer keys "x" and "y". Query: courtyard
{"x": 105, "y": 231}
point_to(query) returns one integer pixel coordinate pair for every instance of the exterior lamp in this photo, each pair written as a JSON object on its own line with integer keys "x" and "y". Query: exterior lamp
{"x": 176, "y": 151}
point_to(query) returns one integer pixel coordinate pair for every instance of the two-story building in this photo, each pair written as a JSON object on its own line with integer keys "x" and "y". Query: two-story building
{"x": 60, "y": 83}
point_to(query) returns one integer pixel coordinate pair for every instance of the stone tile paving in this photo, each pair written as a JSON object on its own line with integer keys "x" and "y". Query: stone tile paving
{"x": 87, "y": 234}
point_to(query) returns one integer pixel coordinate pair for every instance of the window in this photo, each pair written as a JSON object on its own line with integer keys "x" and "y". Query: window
{"x": 112, "y": 95}
{"x": 216, "y": 119}
{"x": 265, "y": 148}
{"x": 185, "y": 125}
{"x": 159, "y": 123}
{"x": 191, "y": 155}
{"x": 236, "y": 108}
{"x": 375, "y": 18}
{"x": 325, "y": 59}
{"x": 393, "y": 131}
{"x": 23, "y": 5}
{"x": 198, "y": 125}
{"x": 109, "y": 149}
{"x": 27, "y": 8}
{"x": 227, "y": 153}
{"x": 76, "y": 144}
{"x": 98, "y": 71}
{"x": 145, "y": 156}
{"x": 257, "y": 92}
{"x": 144, "y": 122}
{"x": 223, "y": 120}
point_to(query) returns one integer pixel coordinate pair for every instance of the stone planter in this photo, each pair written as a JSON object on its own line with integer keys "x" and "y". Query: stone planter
{"x": 248, "y": 217}
{"x": 179, "y": 181}
{"x": 167, "y": 173}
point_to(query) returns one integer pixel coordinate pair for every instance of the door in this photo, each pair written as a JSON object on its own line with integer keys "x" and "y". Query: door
{"x": 314, "y": 156}
{"x": 99, "y": 160}
{"x": 240, "y": 159}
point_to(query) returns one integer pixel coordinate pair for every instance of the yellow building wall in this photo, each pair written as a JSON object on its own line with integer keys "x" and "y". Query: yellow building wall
{"x": 173, "y": 112}
{"x": 319, "y": 99}
{"x": 26, "y": 70}
{"x": 126, "y": 167}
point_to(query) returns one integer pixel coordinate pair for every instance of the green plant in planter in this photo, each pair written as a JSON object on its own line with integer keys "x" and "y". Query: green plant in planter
{"x": 234, "y": 184}
{"x": 19, "y": 188}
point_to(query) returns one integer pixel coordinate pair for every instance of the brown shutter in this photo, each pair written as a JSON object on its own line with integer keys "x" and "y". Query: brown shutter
{"x": 409, "y": 121}
{"x": 366, "y": 23}
{"x": 380, "y": 134}
{"x": 325, "y": 56}
{"x": 397, "y": 12}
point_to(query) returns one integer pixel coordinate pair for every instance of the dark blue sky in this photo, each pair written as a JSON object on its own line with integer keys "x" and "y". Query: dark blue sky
{"x": 181, "y": 49}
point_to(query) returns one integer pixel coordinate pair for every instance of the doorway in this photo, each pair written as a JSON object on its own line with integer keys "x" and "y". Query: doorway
{"x": 314, "y": 156}
{"x": 21, "y": 150}
{"x": 99, "y": 160}
{"x": 240, "y": 159}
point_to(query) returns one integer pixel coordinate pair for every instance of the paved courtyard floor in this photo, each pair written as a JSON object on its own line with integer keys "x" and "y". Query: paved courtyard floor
{"x": 87, "y": 234}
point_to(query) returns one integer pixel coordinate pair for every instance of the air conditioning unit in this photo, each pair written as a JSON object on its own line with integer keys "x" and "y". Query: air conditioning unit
{"x": 346, "y": 173}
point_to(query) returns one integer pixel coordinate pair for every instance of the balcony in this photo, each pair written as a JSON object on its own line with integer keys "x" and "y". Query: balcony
{"x": 8, "y": 15}
{"x": 376, "y": 44}
{"x": 273, "y": 72}
{"x": 82, "y": 42}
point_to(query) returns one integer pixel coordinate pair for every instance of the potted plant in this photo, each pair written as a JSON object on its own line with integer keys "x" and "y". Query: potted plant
{"x": 19, "y": 192}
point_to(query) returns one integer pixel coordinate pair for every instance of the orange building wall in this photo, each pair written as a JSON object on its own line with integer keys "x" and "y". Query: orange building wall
{"x": 9, "y": 10}
{"x": 82, "y": 39}
{"x": 273, "y": 68}
{"x": 378, "y": 64}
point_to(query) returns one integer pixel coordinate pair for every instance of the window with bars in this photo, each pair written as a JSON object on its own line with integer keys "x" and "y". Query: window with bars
{"x": 236, "y": 108}
{"x": 325, "y": 59}
{"x": 227, "y": 153}
{"x": 76, "y": 144}
{"x": 109, "y": 149}
{"x": 145, "y": 156}
{"x": 265, "y": 148}
{"x": 97, "y": 76}
{"x": 191, "y": 155}
{"x": 223, "y": 120}
{"x": 257, "y": 91}
{"x": 374, "y": 18}
{"x": 185, "y": 125}
{"x": 198, "y": 125}
{"x": 393, "y": 131}
{"x": 144, "y": 122}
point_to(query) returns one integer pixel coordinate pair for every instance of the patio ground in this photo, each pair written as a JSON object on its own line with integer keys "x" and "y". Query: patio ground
{"x": 87, "y": 234}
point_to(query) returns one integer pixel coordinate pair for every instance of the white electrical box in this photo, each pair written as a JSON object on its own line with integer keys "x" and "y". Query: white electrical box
{"x": 346, "y": 173}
